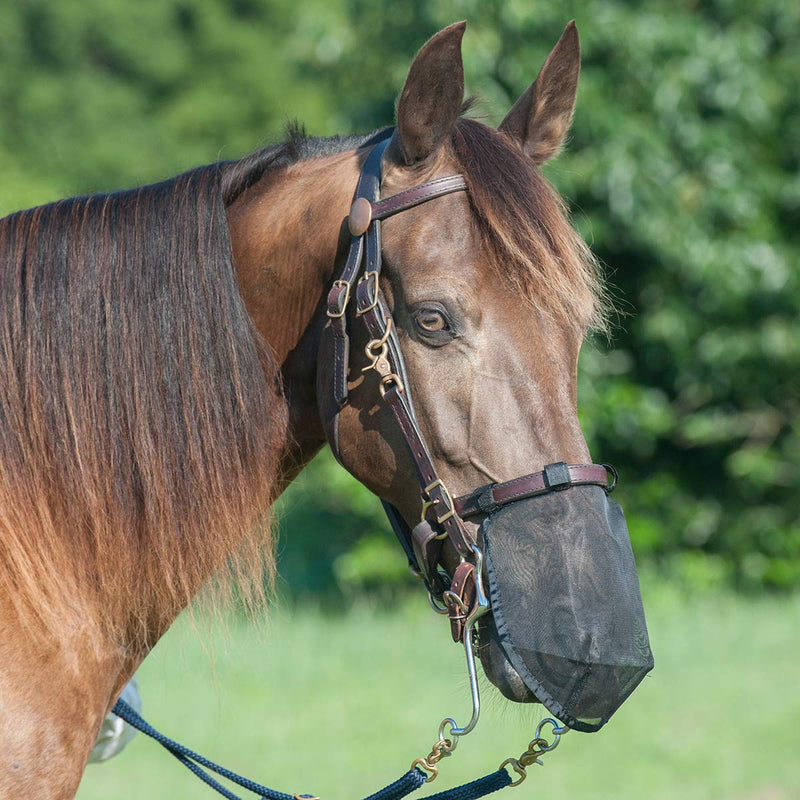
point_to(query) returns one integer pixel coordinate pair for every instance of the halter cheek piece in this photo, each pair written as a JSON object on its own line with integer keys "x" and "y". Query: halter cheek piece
{"x": 442, "y": 517}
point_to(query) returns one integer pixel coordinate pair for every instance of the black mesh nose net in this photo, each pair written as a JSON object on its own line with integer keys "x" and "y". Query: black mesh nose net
{"x": 566, "y": 602}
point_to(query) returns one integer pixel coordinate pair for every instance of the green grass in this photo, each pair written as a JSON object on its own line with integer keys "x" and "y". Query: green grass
{"x": 340, "y": 705}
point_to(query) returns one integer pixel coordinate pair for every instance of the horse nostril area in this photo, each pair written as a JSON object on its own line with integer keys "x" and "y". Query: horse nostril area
{"x": 497, "y": 667}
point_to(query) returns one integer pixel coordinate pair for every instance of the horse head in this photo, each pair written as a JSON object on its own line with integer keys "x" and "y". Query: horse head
{"x": 446, "y": 360}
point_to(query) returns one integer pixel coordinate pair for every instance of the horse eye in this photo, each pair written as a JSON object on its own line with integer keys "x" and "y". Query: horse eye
{"x": 431, "y": 320}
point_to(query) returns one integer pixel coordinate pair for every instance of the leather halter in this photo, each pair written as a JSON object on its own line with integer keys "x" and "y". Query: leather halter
{"x": 442, "y": 515}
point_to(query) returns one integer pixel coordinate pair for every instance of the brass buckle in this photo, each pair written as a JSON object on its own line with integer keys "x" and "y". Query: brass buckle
{"x": 340, "y": 314}
{"x": 366, "y": 277}
{"x": 451, "y": 512}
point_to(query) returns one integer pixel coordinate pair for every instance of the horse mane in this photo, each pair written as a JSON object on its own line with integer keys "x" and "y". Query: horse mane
{"x": 141, "y": 414}
{"x": 524, "y": 226}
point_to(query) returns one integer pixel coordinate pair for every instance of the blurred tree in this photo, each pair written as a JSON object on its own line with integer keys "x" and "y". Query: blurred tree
{"x": 684, "y": 171}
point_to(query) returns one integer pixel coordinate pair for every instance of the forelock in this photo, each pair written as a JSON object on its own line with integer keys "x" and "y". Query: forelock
{"x": 524, "y": 226}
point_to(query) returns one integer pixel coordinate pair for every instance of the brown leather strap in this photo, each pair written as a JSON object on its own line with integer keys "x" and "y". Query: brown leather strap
{"x": 338, "y": 298}
{"x": 417, "y": 195}
{"x": 427, "y": 544}
{"x": 554, "y": 478}
{"x": 372, "y": 308}
{"x": 460, "y": 598}
{"x": 365, "y": 254}
{"x": 433, "y": 489}
{"x": 368, "y": 187}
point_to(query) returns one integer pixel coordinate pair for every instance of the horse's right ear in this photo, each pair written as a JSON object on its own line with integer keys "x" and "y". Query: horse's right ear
{"x": 540, "y": 119}
{"x": 431, "y": 99}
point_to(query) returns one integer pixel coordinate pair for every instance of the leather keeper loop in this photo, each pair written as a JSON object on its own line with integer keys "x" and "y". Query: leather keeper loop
{"x": 486, "y": 502}
{"x": 557, "y": 477}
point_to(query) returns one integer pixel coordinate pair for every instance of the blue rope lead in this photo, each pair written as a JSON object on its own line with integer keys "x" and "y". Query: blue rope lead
{"x": 412, "y": 780}
{"x": 194, "y": 761}
{"x": 471, "y": 791}
{"x": 404, "y": 785}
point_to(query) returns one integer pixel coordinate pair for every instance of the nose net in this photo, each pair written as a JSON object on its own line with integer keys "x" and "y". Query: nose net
{"x": 566, "y": 602}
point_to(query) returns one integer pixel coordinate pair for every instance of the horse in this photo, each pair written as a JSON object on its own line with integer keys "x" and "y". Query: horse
{"x": 162, "y": 382}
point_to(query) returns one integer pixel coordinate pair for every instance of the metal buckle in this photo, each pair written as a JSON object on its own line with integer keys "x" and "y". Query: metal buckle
{"x": 366, "y": 277}
{"x": 429, "y": 503}
{"x": 450, "y": 595}
{"x": 339, "y": 314}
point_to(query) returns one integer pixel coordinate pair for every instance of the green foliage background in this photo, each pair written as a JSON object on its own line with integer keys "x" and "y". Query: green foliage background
{"x": 683, "y": 173}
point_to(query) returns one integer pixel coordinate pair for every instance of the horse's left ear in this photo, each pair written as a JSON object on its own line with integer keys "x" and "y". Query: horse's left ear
{"x": 431, "y": 99}
{"x": 540, "y": 119}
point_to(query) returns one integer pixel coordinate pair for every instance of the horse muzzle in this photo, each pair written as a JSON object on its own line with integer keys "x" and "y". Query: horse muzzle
{"x": 567, "y": 627}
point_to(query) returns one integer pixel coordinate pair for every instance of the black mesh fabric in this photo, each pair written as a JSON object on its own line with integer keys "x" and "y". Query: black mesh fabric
{"x": 566, "y": 602}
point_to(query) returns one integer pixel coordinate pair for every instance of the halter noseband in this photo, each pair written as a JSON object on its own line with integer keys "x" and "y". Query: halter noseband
{"x": 442, "y": 514}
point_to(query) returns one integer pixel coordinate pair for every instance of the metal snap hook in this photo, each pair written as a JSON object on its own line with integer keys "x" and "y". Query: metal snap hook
{"x": 517, "y": 767}
{"x": 377, "y": 351}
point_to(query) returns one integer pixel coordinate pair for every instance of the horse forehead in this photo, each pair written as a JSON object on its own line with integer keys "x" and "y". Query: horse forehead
{"x": 435, "y": 237}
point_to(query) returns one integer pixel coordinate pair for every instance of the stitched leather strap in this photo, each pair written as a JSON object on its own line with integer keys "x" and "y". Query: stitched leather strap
{"x": 554, "y": 478}
{"x": 417, "y": 195}
{"x": 341, "y": 291}
{"x": 376, "y": 317}
{"x": 339, "y": 296}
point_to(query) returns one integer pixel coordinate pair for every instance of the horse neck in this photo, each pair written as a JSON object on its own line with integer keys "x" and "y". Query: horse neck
{"x": 288, "y": 234}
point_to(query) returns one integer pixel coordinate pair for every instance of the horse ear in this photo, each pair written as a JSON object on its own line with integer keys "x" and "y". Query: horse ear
{"x": 540, "y": 119}
{"x": 431, "y": 99}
